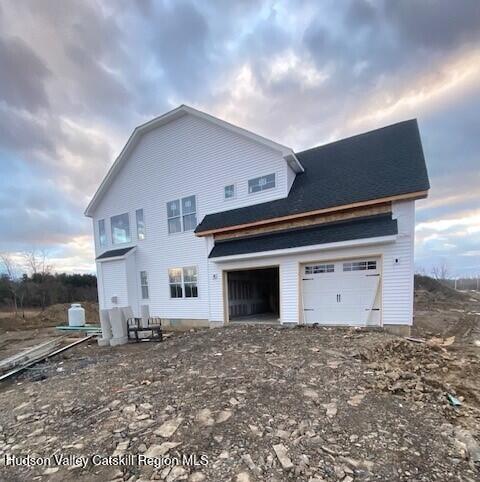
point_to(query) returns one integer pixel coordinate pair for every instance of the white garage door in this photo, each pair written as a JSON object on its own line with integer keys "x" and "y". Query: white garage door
{"x": 342, "y": 292}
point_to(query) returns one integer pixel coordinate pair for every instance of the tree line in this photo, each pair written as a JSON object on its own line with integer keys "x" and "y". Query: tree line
{"x": 27, "y": 281}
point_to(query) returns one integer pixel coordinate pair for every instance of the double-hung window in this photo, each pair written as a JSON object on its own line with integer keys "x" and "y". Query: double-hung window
{"x": 120, "y": 229}
{"x": 144, "y": 284}
{"x": 141, "y": 231}
{"x": 102, "y": 234}
{"x": 183, "y": 282}
{"x": 261, "y": 183}
{"x": 182, "y": 214}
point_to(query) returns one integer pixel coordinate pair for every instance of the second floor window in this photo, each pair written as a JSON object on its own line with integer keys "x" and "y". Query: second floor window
{"x": 120, "y": 229}
{"x": 182, "y": 214}
{"x": 229, "y": 191}
{"x": 261, "y": 183}
{"x": 102, "y": 234}
{"x": 141, "y": 232}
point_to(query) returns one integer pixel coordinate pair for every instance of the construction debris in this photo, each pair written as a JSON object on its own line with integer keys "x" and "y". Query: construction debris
{"x": 17, "y": 363}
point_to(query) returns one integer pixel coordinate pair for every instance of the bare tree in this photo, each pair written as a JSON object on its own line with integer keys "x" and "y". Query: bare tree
{"x": 441, "y": 271}
{"x": 12, "y": 272}
{"x": 37, "y": 262}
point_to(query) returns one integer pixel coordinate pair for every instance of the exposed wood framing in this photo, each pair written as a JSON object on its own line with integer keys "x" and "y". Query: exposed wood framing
{"x": 400, "y": 197}
{"x": 310, "y": 221}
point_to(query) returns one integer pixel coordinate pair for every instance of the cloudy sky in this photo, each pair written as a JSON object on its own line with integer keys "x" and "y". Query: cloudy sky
{"x": 77, "y": 77}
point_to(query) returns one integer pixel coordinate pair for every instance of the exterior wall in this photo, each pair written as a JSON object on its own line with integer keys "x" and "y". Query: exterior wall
{"x": 397, "y": 276}
{"x": 188, "y": 156}
{"x": 112, "y": 281}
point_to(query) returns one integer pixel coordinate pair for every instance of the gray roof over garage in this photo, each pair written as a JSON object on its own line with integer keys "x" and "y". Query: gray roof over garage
{"x": 360, "y": 228}
{"x": 381, "y": 163}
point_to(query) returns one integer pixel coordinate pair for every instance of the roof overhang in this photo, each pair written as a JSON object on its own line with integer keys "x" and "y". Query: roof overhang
{"x": 263, "y": 222}
{"x": 381, "y": 240}
{"x": 116, "y": 254}
{"x": 286, "y": 152}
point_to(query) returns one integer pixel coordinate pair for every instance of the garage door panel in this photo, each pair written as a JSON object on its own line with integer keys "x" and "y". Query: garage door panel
{"x": 343, "y": 295}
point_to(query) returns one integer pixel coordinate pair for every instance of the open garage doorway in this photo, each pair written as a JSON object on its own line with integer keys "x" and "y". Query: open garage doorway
{"x": 254, "y": 295}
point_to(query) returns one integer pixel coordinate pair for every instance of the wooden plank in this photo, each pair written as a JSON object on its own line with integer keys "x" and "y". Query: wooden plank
{"x": 413, "y": 195}
{"x": 43, "y": 357}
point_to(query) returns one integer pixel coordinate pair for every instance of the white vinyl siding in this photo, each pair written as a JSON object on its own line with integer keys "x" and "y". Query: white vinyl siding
{"x": 195, "y": 148}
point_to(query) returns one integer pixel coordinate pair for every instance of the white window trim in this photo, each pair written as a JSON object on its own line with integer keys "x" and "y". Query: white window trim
{"x": 183, "y": 297}
{"x": 227, "y": 199}
{"x": 129, "y": 228}
{"x": 262, "y": 190}
{"x": 182, "y": 231}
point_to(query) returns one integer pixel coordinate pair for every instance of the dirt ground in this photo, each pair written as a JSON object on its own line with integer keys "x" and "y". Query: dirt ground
{"x": 261, "y": 403}
{"x": 256, "y": 403}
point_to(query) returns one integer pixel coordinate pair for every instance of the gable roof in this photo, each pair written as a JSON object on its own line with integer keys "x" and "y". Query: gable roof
{"x": 360, "y": 228}
{"x": 382, "y": 164}
{"x": 170, "y": 116}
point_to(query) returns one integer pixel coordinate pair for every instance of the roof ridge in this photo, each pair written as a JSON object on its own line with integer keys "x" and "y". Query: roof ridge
{"x": 361, "y": 134}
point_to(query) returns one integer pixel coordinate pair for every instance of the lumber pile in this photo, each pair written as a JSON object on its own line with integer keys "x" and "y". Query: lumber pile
{"x": 30, "y": 355}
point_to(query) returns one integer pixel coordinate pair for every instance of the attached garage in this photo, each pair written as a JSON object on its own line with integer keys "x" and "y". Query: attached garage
{"x": 346, "y": 292}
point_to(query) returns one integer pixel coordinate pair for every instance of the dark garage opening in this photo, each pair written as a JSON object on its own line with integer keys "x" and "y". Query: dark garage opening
{"x": 254, "y": 295}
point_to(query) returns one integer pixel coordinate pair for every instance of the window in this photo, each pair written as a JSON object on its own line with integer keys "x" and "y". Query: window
{"x": 102, "y": 235}
{"x": 229, "y": 191}
{"x": 120, "y": 229}
{"x": 144, "y": 284}
{"x": 261, "y": 183}
{"x": 359, "y": 265}
{"x": 189, "y": 210}
{"x": 175, "y": 280}
{"x": 190, "y": 282}
{"x": 182, "y": 214}
{"x": 174, "y": 219}
{"x": 183, "y": 282}
{"x": 141, "y": 232}
{"x": 320, "y": 268}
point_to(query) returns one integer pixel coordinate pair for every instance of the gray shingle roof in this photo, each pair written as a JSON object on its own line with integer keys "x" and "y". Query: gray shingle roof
{"x": 360, "y": 228}
{"x": 114, "y": 253}
{"x": 380, "y": 163}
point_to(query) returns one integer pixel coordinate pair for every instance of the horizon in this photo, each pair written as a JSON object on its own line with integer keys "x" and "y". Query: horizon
{"x": 74, "y": 87}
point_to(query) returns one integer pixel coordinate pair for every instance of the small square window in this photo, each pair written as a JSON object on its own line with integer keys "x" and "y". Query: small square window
{"x": 229, "y": 191}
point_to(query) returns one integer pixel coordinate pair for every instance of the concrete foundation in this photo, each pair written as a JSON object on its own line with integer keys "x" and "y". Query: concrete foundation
{"x": 183, "y": 324}
{"x": 400, "y": 330}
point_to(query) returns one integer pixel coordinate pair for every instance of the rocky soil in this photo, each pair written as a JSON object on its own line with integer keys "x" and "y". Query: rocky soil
{"x": 256, "y": 403}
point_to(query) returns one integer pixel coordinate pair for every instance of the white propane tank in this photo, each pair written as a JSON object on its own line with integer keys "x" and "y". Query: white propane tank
{"x": 76, "y": 315}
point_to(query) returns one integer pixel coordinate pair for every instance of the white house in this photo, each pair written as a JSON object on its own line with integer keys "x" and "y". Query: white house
{"x": 207, "y": 223}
